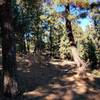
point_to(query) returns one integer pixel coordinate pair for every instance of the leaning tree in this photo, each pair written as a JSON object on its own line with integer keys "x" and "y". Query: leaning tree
{"x": 82, "y": 4}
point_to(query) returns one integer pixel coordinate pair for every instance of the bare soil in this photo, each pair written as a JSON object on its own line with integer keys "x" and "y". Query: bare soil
{"x": 42, "y": 79}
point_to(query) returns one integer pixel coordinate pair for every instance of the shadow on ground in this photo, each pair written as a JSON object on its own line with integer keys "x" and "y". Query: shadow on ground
{"x": 51, "y": 82}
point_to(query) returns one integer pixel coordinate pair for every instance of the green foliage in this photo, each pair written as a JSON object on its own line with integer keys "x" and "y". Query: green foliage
{"x": 96, "y": 73}
{"x": 44, "y": 28}
{"x": 64, "y": 46}
{"x": 89, "y": 47}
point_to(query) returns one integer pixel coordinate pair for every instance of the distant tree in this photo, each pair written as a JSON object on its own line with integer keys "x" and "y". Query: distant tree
{"x": 95, "y": 11}
{"x": 29, "y": 24}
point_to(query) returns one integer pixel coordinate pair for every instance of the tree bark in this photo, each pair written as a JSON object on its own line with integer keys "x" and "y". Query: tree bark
{"x": 79, "y": 62}
{"x": 8, "y": 48}
{"x": 51, "y": 42}
{"x": 22, "y": 44}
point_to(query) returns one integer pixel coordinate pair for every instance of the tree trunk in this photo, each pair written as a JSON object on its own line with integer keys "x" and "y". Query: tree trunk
{"x": 28, "y": 47}
{"x": 79, "y": 62}
{"x": 22, "y": 44}
{"x": 51, "y": 43}
{"x": 8, "y": 48}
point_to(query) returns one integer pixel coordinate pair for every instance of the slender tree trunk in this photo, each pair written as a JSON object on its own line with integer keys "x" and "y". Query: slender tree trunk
{"x": 27, "y": 43}
{"x": 22, "y": 44}
{"x": 8, "y": 49}
{"x": 28, "y": 47}
{"x": 79, "y": 62}
{"x": 51, "y": 43}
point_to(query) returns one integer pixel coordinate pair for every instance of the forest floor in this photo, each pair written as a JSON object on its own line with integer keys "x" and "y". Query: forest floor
{"x": 42, "y": 79}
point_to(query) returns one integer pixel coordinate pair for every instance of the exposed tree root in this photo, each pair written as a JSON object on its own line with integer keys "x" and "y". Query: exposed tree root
{"x": 81, "y": 65}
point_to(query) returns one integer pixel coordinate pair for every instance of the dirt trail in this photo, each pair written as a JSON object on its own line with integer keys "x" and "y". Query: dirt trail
{"x": 52, "y": 81}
